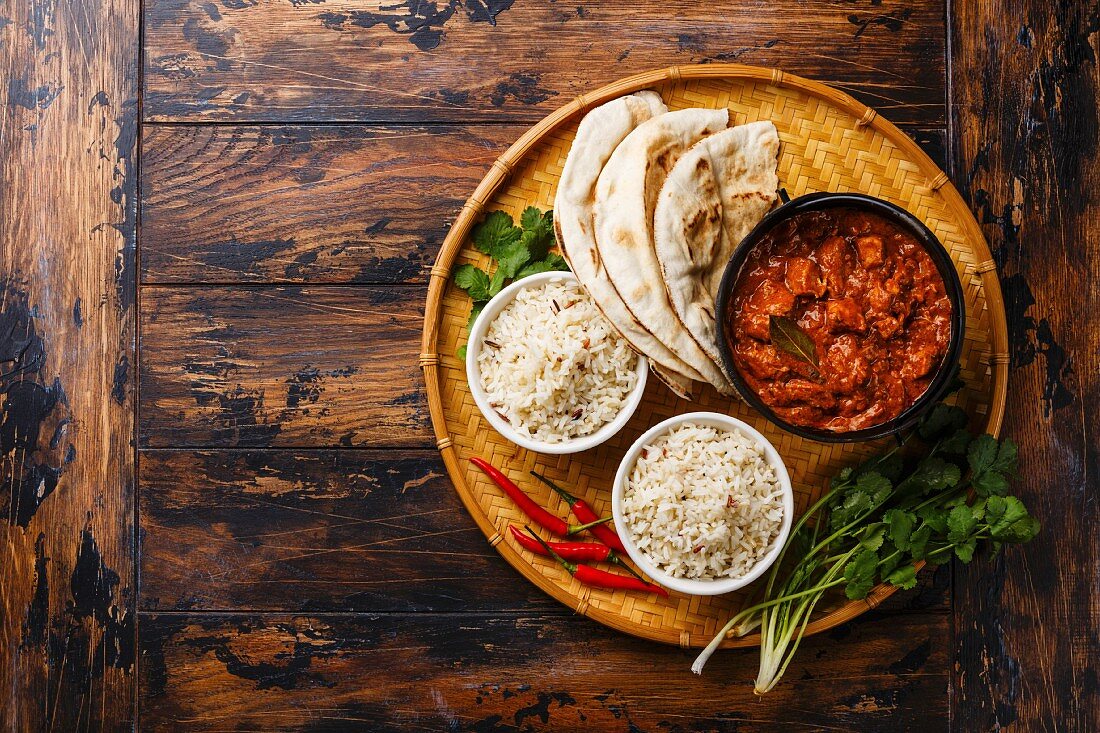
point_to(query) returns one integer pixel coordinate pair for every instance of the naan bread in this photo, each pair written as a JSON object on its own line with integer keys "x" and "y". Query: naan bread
{"x": 626, "y": 196}
{"x": 598, "y": 134}
{"x": 714, "y": 195}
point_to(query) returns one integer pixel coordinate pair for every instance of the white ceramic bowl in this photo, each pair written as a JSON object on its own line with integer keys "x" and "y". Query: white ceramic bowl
{"x": 481, "y": 398}
{"x": 687, "y": 585}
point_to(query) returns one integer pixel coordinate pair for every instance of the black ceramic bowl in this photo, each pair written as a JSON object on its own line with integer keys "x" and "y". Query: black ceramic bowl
{"x": 904, "y": 220}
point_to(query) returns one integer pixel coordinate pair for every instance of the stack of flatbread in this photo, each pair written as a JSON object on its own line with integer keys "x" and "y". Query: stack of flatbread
{"x": 648, "y": 211}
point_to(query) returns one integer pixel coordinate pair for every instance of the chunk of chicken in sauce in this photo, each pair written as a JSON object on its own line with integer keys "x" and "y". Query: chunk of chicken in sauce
{"x": 870, "y": 249}
{"x": 771, "y": 298}
{"x": 835, "y": 259}
{"x": 803, "y": 277}
{"x": 844, "y": 314}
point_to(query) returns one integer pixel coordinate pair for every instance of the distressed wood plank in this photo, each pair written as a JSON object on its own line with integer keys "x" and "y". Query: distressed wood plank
{"x": 289, "y": 60}
{"x": 305, "y": 204}
{"x": 345, "y": 530}
{"x": 348, "y": 530}
{"x": 68, "y": 121}
{"x": 1025, "y": 87}
{"x": 333, "y": 204}
{"x": 481, "y": 673}
{"x": 314, "y": 367}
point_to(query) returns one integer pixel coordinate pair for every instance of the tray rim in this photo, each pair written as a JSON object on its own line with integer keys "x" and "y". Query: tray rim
{"x": 501, "y": 170}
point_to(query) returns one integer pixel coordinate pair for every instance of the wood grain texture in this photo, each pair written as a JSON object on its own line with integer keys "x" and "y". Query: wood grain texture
{"x": 1025, "y": 87}
{"x": 334, "y": 204}
{"x": 348, "y": 530}
{"x": 376, "y": 61}
{"x": 314, "y": 367}
{"x": 68, "y": 122}
{"x": 517, "y": 673}
{"x": 305, "y": 204}
{"x": 345, "y": 530}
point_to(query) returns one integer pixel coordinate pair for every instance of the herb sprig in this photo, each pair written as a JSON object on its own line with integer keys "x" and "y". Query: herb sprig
{"x": 519, "y": 251}
{"x": 876, "y": 521}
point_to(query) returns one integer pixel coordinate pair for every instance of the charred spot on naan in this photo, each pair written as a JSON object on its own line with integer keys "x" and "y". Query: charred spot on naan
{"x": 702, "y": 221}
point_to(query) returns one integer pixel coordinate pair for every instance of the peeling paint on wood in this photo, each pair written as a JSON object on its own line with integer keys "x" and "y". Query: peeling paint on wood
{"x": 1027, "y": 158}
{"x": 68, "y": 122}
{"x": 343, "y": 361}
{"x": 491, "y": 672}
{"x": 505, "y": 61}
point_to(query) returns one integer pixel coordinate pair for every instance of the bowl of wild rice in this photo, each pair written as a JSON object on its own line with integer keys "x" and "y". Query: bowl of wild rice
{"x": 703, "y": 503}
{"x": 548, "y": 370}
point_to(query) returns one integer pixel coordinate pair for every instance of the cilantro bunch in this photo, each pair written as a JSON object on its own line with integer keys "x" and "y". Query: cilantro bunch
{"x": 878, "y": 519}
{"x": 518, "y": 251}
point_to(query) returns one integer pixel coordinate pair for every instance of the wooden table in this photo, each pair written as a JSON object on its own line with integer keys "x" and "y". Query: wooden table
{"x": 224, "y": 510}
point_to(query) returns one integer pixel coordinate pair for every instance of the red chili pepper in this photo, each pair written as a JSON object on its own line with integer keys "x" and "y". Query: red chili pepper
{"x": 584, "y": 513}
{"x": 577, "y": 551}
{"x": 600, "y": 578}
{"x": 530, "y": 508}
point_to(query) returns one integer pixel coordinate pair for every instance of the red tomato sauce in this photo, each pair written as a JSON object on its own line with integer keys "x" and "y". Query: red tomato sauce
{"x": 867, "y": 295}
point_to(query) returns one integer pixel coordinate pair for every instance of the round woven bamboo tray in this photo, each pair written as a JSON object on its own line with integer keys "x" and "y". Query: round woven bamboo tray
{"x": 829, "y": 142}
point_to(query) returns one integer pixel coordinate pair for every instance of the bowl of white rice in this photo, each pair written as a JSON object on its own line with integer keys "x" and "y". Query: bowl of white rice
{"x": 703, "y": 503}
{"x": 548, "y": 370}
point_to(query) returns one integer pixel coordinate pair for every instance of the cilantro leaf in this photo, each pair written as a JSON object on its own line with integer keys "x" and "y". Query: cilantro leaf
{"x": 957, "y": 500}
{"x": 891, "y": 558}
{"x": 860, "y": 574}
{"x": 475, "y": 311}
{"x": 957, "y": 443}
{"x": 904, "y": 577}
{"x": 982, "y": 453}
{"x": 919, "y": 540}
{"x": 875, "y": 485}
{"x": 1001, "y": 511}
{"x": 870, "y": 489}
{"x": 532, "y": 219}
{"x": 934, "y": 518}
{"x": 1009, "y": 521}
{"x": 549, "y": 263}
{"x": 965, "y": 550}
{"x": 474, "y": 281}
{"x": 496, "y": 284}
{"x": 538, "y": 231}
{"x": 889, "y": 466}
{"x": 960, "y": 523}
{"x": 511, "y": 258}
{"x": 841, "y": 478}
{"x": 495, "y": 232}
{"x": 873, "y": 536}
{"x": 941, "y": 420}
{"x": 990, "y": 483}
{"x": 1005, "y": 462}
{"x": 900, "y": 524}
{"x": 854, "y": 503}
{"x": 933, "y": 474}
{"x": 1022, "y": 530}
